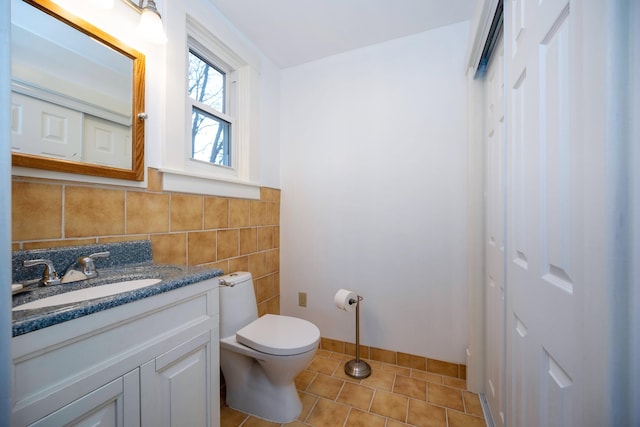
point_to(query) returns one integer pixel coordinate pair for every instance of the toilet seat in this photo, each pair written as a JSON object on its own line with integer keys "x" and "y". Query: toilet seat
{"x": 279, "y": 335}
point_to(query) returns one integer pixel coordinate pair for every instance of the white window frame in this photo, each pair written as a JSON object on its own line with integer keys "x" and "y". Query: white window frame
{"x": 212, "y": 49}
{"x": 180, "y": 171}
{"x": 230, "y": 105}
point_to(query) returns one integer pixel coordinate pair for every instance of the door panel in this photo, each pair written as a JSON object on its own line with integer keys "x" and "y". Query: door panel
{"x": 108, "y": 406}
{"x": 542, "y": 305}
{"x": 176, "y": 384}
{"x": 565, "y": 215}
{"x": 494, "y": 245}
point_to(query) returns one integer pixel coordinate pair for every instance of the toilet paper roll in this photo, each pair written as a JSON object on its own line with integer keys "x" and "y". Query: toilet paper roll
{"x": 342, "y": 298}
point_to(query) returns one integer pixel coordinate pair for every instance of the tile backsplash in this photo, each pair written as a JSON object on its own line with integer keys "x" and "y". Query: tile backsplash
{"x": 121, "y": 254}
{"x": 184, "y": 229}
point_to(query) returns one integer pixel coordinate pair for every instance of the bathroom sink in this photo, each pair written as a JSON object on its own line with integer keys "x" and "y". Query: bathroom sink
{"x": 88, "y": 293}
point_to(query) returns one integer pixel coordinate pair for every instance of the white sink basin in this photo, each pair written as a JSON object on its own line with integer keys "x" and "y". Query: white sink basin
{"x": 88, "y": 293}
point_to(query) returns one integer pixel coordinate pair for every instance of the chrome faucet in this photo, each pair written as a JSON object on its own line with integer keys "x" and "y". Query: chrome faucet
{"x": 84, "y": 268}
{"x": 49, "y": 275}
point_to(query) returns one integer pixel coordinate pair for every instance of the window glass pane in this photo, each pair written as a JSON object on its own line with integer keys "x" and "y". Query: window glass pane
{"x": 206, "y": 83}
{"x": 210, "y": 138}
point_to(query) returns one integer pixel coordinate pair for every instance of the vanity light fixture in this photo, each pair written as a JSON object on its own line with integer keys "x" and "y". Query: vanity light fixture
{"x": 150, "y": 21}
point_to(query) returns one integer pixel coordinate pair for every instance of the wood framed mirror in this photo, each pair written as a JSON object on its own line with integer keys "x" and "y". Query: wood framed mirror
{"x": 77, "y": 95}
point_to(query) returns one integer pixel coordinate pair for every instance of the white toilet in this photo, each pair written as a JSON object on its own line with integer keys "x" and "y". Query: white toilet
{"x": 261, "y": 357}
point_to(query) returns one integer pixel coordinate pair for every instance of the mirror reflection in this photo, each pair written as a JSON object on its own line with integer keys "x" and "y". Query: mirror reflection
{"x": 73, "y": 95}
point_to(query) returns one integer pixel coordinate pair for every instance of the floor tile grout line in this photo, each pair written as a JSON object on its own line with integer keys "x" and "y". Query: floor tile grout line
{"x": 315, "y": 375}
{"x": 334, "y": 369}
{"x": 464, "y": 403}
{"x": 340, "y": 391}
{"x": 426, "y": 393}
{"x": 406, "y": 414}
{"x": 313, "y": 407}
{"x": 373, "y": 396}
{"x": 468, "y": 415}
{"x": 347, "y": 417}
{"x": 393, "y": 383}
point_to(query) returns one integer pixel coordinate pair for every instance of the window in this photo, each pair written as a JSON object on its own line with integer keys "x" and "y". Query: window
{"x": 210, "y": 134}
{"x": 211, "y": 125}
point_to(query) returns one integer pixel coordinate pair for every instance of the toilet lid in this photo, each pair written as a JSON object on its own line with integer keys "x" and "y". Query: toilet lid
{"x": 279, "y": 335}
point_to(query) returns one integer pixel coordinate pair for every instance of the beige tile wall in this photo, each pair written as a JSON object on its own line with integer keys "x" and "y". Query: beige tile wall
{"x": 184, "y": 229}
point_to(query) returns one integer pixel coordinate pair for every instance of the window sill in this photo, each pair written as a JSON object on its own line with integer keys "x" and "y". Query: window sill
{"x": 19, "y": 171}
{"x": 179, "y": 181}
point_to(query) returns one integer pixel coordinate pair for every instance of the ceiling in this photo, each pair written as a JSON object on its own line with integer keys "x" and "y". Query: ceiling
{"x": 292, "y": 32}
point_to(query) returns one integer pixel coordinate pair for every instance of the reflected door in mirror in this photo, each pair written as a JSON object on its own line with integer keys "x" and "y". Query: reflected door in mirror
{"x": 76, "y": 93}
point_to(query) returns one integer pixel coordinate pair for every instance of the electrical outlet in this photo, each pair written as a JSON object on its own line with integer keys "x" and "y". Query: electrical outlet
{"x": 302, "y": 299}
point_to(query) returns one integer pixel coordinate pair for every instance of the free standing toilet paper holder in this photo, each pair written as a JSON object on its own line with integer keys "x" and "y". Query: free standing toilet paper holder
{"x": 357, "y": 368}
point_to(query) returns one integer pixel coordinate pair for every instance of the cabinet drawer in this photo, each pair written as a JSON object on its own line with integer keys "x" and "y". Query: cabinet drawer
{"x": 114, "y": 404}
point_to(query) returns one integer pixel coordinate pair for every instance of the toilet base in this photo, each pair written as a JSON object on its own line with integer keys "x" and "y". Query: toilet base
{"x": 261, "y": 384}
{"x": 281, "y": 404}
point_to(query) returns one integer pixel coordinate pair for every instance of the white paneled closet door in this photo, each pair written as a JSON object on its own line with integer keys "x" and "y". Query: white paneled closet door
{"x": 544, "y": 331}
{"x": 495, "y": 237}
{"x": 557, "y": 183}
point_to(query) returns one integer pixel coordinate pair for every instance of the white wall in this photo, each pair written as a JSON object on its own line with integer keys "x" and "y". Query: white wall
{"x": 374, "y": 192}
{"x": 121, "y": 22}
{"x": 269, "y": 125}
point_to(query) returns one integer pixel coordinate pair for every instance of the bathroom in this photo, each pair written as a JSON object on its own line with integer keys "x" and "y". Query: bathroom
{"x": 399, "y": 227}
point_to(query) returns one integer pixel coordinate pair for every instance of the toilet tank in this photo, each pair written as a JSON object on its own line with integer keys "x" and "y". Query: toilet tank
{"x": 238, "y": 305}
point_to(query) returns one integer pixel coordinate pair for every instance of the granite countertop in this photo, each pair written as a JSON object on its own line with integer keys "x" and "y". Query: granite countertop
{"x": 173, "y": 277}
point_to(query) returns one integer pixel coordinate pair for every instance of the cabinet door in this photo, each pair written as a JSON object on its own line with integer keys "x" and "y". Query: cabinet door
{"x": 114, "y": 404}
{"x": 176, "y": 386}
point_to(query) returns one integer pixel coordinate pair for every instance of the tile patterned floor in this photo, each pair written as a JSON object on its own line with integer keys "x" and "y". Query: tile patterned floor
{"x": 393, "y": 396}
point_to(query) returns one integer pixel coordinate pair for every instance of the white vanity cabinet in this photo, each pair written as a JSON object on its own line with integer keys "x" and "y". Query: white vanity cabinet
{"x": 175, "y": 386}
{"x": 152, "y": 362}
{"x": 109, "y": 405}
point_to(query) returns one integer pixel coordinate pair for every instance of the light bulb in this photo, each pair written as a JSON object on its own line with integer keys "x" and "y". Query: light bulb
{"x": 151, "y": 26}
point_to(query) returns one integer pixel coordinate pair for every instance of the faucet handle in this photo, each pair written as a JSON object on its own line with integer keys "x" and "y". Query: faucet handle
{"x": 87, "y": 263}
{"x": 49, "y": 275}
{"x": 104, "y": 254}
